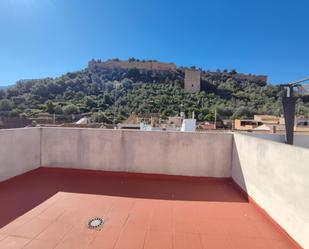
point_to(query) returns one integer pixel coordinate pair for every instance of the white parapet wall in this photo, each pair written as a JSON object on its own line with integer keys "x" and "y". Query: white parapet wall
{"x": 19, "y": 151}
{"x": 301, "y": 140}
{"x": 276, "y": 176}
{"x": 173, "y": 153}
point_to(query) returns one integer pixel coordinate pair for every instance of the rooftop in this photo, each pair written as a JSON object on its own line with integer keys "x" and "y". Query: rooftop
{"x": 51, "y": 208}
{"x": 151, "y": 189}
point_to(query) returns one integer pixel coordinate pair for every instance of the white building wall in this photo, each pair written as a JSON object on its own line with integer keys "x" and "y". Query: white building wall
{"x": 172, "y": 153}
{"x": 301, "y": 140}
{"x": 276, "y": 176}
{"x": 19, "y": 151}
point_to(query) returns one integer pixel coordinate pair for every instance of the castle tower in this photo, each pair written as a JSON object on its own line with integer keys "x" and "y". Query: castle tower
{"x": 192, "y": 81}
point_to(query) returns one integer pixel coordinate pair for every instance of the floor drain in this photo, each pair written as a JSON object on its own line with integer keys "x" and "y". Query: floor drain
{"x": 95, "y": 223}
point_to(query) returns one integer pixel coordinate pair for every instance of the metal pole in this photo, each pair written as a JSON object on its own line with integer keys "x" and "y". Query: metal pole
{"x": 289, "y": 103}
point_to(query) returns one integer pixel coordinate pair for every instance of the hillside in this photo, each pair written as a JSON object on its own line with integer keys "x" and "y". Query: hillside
{"x": 4, "y": 87}
{"x": 105, "y": 94}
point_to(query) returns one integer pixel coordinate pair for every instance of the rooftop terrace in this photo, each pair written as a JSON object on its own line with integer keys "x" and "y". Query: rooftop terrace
{"x": 153, "y": 190}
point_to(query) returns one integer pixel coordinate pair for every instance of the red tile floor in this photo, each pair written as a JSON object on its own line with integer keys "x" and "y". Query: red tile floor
{"x": 50, "y": 208}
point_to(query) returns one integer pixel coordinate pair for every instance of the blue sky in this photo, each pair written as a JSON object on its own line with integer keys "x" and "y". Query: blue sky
{"x": 41, "y": 38}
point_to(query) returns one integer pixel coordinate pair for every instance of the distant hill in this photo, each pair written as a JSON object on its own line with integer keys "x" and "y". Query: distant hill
{"x": 5, "y": 87}
{"x": 110, "y": 94}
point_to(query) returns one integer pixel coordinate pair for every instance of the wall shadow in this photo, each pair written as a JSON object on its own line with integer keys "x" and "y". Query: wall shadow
{"x": 237, "y": 171}
{"x": 20, "y": 194}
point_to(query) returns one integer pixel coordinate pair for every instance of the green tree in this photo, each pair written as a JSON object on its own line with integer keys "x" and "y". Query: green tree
{"x": 243, "y": 112}
{"x": 131, "y": 59}
{"x": 90, "y": 103}
{"x": 14, "y": 113}
{"x": 233, "y": 72}
{"x": 70, "y": 109}
{"x": 11, "y": 92}
{"x": 100, "y": 117}
{"x": 40, "y": 89}
{"x": 50, "y": 107}
{"x": 6, "y": 105}
{"x": 133, "y": 73}
{"x": 2, "y": 94}
{"x": 58, "y": 109}
{"x": 142, "y": 92}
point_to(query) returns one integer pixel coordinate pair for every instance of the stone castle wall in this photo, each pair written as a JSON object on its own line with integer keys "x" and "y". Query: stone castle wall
{"x": 192, "y": 81}
{"x": 262, "y": 78}
{"x": 239, "y": 76}
{"x": 141, "y": 65}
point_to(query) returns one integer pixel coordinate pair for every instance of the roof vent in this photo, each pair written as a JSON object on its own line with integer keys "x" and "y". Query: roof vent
{"x": 95, "y": 223}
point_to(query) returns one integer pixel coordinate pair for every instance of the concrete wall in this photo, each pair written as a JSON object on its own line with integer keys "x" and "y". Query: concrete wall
{"x": 273, "y": 137}
{"x": 174, "y": 153}
{"x": 299, "y": 139}
{"x": 19, "y": 151}
{"x": 276, "y": 176}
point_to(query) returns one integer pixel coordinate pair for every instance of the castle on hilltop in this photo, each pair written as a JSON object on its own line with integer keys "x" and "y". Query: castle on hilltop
{"x": 192, "y": 82}
{"x": 148, "y": 65}
{"x": 192, "y": 76}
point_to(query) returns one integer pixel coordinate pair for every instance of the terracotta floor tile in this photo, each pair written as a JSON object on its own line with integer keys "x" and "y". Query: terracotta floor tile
{"x": 218, "y": 210}
{"x": 41, "y": 207}
{"x": 227, "y": 211}
{"x": 279, "y": 244}
{"x": 139, "y": 212}
{"x": 55, "y": 232}
{"x": 187, "y": 241}
{"x": 216, "y": 242}
{"x": 122, "y": 205}
{"x": 163, "y": 207}
{"x": 32, "y": 228}
{"x": 244, "y": 229}
{"x": 213, "y": 227}
{"x": 12, "y": 242}
{"x": 11, "y": 227}
{"x": 162, "y": 223}
{"x": 52, "y": 212}
{"x": 131, "y": 239}
{"x": 185, "y": 224}
{"x": 116, "y": 219}
{"x": 252, "y": 243}
{"x": 250, "y": 212}
{"x": 101, "y": 206}
{"x": 205, "y": 211}
{"x": 2, "y": 236}
{"x": 71, "y": 217}
{"x": 77, "y": 238}
{"x": 268, "y": 230}
{"x": 158, "y": 240}
{"x": 40, "y": 244}
{"x": 138, "y": 220}
{"x": 105, "y": 239}
{"x": 162, "y": 217}
{"x": 143, "y": 207}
